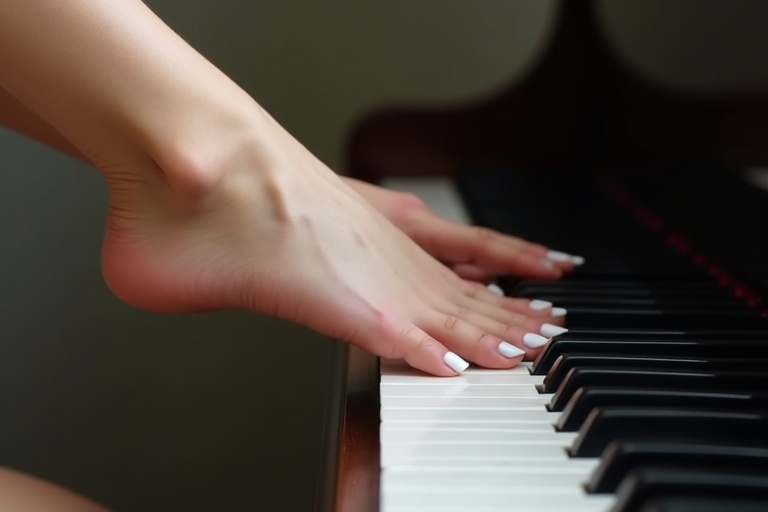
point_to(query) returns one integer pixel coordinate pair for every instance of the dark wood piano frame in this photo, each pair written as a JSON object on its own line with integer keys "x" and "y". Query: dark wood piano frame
{"x": 580, "y": 107}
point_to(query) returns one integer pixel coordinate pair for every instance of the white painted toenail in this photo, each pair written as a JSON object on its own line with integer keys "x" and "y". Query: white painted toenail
{"x": 495, "y": 289}
{"x": 550, "y": 330}
{"x": 508, "y": 350}
{"x": 538, "y": 305}
{"x": 533, "y": 340}
{"x": 558, "y": 256}
{"x": 454, "y": 362}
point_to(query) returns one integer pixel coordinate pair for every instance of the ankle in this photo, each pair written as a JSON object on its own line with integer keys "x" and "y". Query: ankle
{"x": 197, "y": 157}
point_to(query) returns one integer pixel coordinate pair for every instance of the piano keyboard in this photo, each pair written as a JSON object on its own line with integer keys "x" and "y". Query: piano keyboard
{"x": 655, "y": 400}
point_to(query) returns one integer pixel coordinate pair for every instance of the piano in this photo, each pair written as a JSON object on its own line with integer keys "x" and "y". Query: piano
{"x": 656, "y": 399}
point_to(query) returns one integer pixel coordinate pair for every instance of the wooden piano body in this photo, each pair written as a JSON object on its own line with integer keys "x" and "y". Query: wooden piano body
{"x": 580, "y": 107}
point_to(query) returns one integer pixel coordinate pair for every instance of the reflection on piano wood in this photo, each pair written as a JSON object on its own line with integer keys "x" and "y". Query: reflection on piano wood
{"x": 657, "y": 398}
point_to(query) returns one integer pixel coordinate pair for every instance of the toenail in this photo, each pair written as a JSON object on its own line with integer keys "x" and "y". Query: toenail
{"x": 551, "y": 330}
{"x": 538, "y": 305}
{"x": 533, "y": 340}
{"x": 495, "y": 289}
{"x": 454, "y": 362}
{"x": 509, "y": 351}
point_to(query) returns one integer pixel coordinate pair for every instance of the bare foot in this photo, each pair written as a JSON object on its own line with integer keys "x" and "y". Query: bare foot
{"x": 213, "y": 205}
{"x": 269, "y": 228}
{"x": 473, "y": 252}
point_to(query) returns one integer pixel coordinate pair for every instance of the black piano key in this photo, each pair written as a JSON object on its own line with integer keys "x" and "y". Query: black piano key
{"x": 650, "y": 334}
{"x": 651, "y": 483}
{"x": 654, "y": 379}
{"x": 666, "y": 304}
{"x": 607, "y": 424}
{"x": 576, "y": 284}
{"x": 587, "y": 399}
{"x": 664, "y": 297}
{"x": 671, "y": 347}
{"x": 621, "y": 458}
{"x": 688, "y": 286}
{"x": 567, "y": 362}
{"x": 560, "y": 290}
{"x": 692, "y": 504}
{"x": 663, "y": 318}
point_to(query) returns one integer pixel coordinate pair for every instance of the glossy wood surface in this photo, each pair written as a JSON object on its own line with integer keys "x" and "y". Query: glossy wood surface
{"x": 579, "y": 106}
{"x": 358, "y": 471}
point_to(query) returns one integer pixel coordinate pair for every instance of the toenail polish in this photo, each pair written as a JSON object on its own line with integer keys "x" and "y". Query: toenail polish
{"x": 558, "y": 256}
{"x": 533, "y": 340}
{"x": 538, "y": 305}
{"x": 454, "y": 362}
{"x": 508, "y": 350}
{"x": 495, "y": 289}
{"x": 550, "y": 330}
{"x": 559, "y": 312}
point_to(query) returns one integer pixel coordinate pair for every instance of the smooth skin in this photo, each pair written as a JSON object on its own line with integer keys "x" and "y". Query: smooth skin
{"x": 213, "y": 205}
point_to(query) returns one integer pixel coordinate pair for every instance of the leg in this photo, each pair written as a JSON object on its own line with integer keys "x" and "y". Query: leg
{"x": 470, "y": 252}
{"x": 214, "y": 205}
{"x": 23, "y": 493}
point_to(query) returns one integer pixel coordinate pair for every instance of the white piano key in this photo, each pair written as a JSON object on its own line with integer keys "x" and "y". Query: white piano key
{"x": 513, "y": 427}
{"x": 487, "y": 379}
{"x": 523, "y": 481}
{"x": 535, "y": 500}
{"x": 454, "y": 453}
{"x": 467, "y": 414}
{"x": 391, "y": 435}
{"x": 400, "y": 367}
{"x": 455, "y": 390}
{"x": 584, "y": 466}
{"x": 501, "y": 507}
{"x": 523, "y": 368}
{"x": 466, "y": 402}
{"x": 536, "y": 466}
